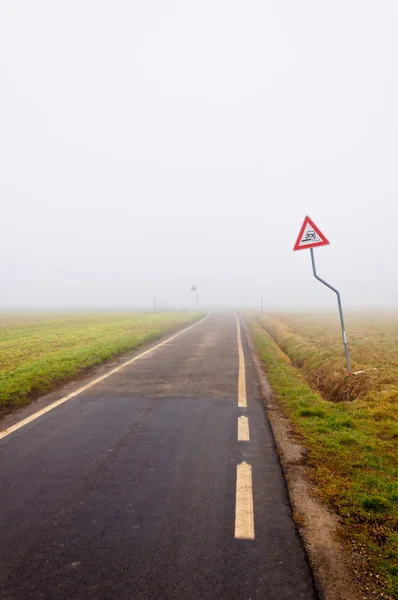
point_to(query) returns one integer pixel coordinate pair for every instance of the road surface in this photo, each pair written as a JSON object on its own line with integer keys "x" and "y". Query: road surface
{"x": 160, "y": 481}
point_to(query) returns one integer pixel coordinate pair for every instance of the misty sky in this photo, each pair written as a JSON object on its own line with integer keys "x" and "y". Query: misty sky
{"x": 146, "y": 145}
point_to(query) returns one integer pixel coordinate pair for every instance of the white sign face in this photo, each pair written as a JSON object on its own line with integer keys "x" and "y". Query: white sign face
{"x": 310, "y": 236}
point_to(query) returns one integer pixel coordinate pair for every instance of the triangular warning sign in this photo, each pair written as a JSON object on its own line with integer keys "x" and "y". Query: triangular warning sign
{"x": 193, "y": 288}
{"x": 310, "y": 236}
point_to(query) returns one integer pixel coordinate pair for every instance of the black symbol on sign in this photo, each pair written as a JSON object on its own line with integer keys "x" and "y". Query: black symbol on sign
{"x": 309, "y": 235}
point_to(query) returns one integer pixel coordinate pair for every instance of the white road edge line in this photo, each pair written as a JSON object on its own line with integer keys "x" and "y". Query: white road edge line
{"x": 243, "y": 429}
{"x": 244, "y": 515}
{"x": 242, "y": 400}
{"x": 47, "y": 409}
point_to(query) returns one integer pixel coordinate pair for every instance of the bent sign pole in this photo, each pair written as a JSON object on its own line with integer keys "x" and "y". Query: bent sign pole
{"x": 347, "y": 356}
{"x": 311, "y": 237}
{"x": 195, "y": 290}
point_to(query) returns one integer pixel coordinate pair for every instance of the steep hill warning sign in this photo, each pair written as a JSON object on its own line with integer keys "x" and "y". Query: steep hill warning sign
{"x": 310, "y": 236}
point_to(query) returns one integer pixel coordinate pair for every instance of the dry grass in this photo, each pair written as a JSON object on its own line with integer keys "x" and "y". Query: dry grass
{"x": 314, "y": 344}
{"x": 351, "y": 430}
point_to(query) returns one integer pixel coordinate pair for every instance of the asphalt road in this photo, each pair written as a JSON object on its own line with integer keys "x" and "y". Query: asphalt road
{"x": 139, "y": 487}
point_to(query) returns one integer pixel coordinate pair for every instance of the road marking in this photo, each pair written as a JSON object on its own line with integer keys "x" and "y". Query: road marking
{"x": 244, "y": 517}
{"x": 242, "y": 401}
{"x": 47, "y": 409}
{"x": 243, "y": 429}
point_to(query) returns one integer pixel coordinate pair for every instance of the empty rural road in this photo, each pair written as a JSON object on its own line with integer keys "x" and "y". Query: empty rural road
{"x": 160, "y": 481}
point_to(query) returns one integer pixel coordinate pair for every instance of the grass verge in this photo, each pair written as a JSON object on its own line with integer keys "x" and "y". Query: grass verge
{"x": 352, "y": 448}
{"x": 39, "y": 353}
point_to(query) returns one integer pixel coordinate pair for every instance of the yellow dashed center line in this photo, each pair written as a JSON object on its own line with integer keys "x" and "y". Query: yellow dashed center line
{"x": 243, "y": 429}
{"x": 244, "y": 514}
{"x": 244, "y": 518}
{"x": 242, "y": 400}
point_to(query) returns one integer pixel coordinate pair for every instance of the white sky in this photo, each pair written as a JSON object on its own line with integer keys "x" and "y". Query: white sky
{"x": 149, "y": 145}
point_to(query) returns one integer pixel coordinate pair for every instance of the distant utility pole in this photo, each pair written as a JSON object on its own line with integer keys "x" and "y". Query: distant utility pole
{"x": 262, "y": 304}
{"x": 154, "y": 304}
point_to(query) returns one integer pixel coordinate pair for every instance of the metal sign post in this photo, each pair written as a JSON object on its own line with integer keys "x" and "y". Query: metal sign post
{"x": 311, "y": 237}
{"x": 347, "y": 356}
{"x": 194, "y": 289}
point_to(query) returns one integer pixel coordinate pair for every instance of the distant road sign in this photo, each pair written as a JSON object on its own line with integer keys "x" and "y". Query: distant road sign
{"x": 193, "y": 288}
{"x": 310, "y": 236}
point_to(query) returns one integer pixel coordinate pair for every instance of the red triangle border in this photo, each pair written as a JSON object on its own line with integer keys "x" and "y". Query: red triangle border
{"x": 324, "y": 241}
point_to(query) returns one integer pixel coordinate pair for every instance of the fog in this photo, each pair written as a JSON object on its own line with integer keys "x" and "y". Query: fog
{"x": 147, "y": 146}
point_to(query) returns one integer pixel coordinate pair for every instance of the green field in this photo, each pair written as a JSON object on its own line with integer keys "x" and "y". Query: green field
{"x": 348, "y": 424}
{"x": 40, "y": 352}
